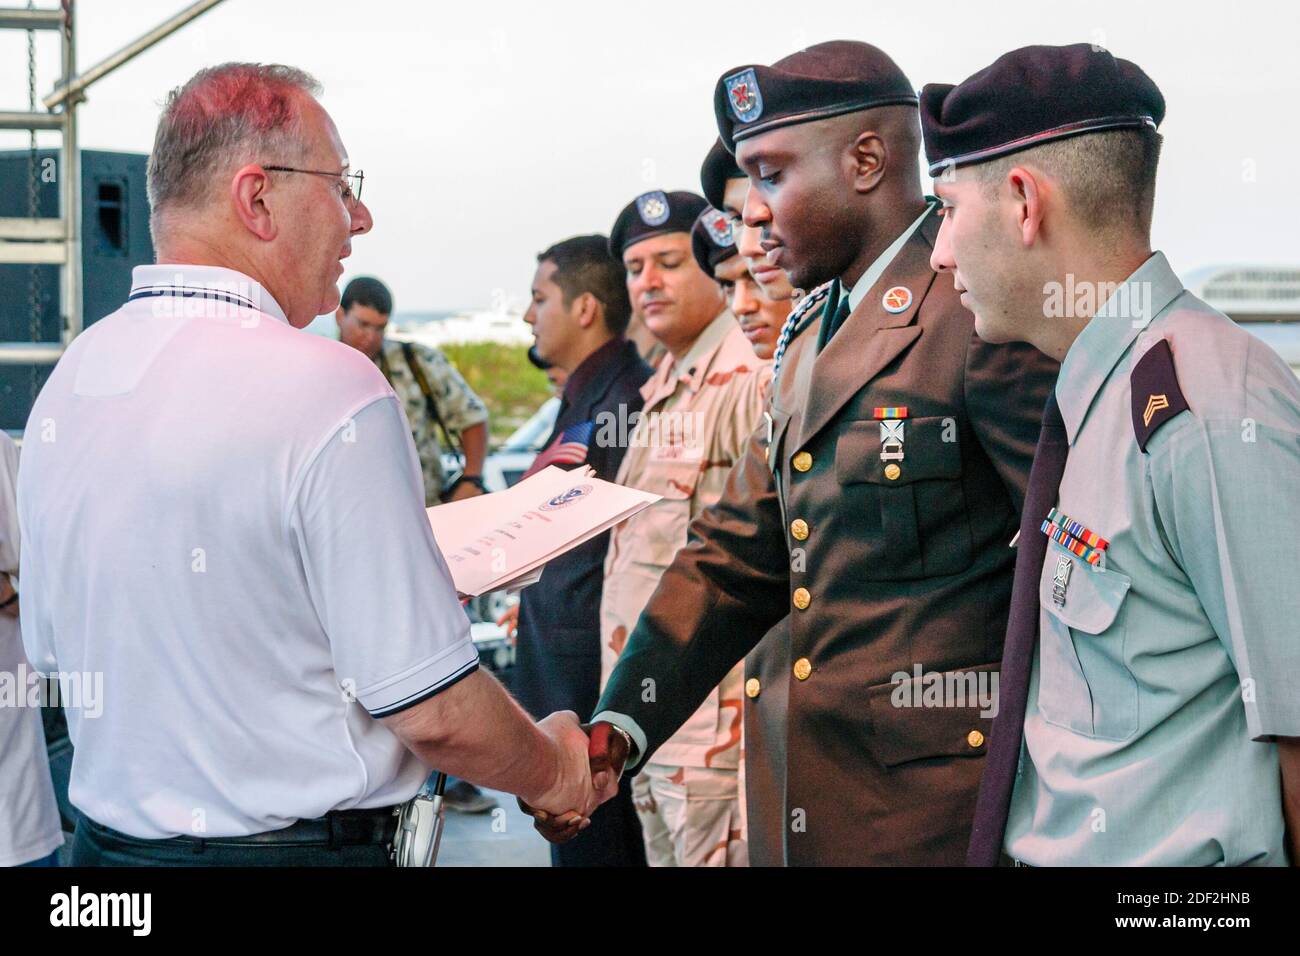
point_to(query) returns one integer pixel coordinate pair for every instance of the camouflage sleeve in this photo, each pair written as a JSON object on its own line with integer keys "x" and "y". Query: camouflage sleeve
{"x": 458, "y": 405}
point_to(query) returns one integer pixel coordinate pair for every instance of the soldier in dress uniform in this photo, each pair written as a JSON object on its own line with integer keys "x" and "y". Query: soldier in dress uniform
{"x": 1148, "y": 695}
{"x": 876, "y": 510}
{"x": 763, "y": 289}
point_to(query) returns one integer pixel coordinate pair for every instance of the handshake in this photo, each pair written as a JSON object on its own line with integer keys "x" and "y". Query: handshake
{"x": 589, "y": 762}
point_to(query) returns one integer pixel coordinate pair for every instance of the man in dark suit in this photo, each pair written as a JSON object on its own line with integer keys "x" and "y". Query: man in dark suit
{"x": 579, "y": 312}
{"x": 875, "y": 515}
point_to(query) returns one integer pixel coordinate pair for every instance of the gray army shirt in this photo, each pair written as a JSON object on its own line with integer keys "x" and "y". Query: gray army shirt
{"x": 1163, "y": 671}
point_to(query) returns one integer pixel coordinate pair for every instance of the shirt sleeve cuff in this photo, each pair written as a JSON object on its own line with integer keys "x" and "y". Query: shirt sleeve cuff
{"x": 420, "y": 682}
{"x": 626, "y": 723}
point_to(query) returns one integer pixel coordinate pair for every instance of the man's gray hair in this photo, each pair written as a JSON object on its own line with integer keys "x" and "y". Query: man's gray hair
{"x": 225, "y": 116}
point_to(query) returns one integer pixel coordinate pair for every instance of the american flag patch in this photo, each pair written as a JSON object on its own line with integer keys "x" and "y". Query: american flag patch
{"x": 569, "y": 448}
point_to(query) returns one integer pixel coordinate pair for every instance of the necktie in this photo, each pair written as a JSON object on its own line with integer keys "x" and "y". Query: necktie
{"x": 1022, "y": 637}
{"x": 837, "y": 318}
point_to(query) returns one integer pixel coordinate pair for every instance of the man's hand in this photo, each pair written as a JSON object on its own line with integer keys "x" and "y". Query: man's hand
{"x": 566, "y": 805}
{"x": 607, "y": 752}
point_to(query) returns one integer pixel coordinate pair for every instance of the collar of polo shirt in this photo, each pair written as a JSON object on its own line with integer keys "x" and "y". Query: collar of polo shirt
{"x": 212, "y": 283}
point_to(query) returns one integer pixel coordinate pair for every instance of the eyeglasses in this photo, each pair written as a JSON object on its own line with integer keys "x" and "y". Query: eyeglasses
{"x": 349, "y": 183}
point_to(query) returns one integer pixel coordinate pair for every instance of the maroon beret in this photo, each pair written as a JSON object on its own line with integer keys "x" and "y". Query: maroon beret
{"x": 719, "y": 166}
{"x": 841, "y": 76}
{"x": 1031, "y": 96}
{"x": 712, "y": 240}
{"x": 654, "y": 214}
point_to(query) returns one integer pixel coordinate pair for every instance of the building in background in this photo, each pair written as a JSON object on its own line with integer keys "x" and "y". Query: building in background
{"x": 1264, "y": 299}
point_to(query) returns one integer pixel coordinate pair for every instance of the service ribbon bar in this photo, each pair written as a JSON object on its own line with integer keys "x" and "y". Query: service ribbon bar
{"x": 1070, "y": 543}
{"x": 891, "y": 411}
{"x": 1077, "y": 530}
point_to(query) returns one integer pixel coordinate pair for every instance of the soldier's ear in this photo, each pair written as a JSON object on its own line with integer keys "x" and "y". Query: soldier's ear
{"x": 869, "y": 159}
{"x": 1027, "y": 196}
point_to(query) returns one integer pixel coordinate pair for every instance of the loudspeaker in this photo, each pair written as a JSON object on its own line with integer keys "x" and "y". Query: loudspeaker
{"x": 114, "y": 239}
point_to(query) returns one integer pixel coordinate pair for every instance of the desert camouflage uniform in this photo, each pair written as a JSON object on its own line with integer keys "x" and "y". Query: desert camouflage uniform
{"x": 459, "y": 407}
{"x": 697, "y": 419}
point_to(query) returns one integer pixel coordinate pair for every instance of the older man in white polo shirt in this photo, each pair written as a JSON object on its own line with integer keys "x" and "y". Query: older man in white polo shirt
{"x": 224, "y": 517}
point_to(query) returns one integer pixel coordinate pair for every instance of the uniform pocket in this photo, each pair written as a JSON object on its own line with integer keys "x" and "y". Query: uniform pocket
{"x": 911, "y": 492}
{"x": 664, "y": 523}
{"x": 939, "y": 714}
{"x": 1084, "y": 682}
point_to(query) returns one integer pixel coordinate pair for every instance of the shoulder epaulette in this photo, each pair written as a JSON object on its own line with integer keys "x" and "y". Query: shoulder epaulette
{"x": 1156, "y": 396}
{"x": 798, "y": 319}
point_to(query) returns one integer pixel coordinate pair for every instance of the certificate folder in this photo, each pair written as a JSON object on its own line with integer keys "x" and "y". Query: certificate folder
{"x": 503, "y": 540}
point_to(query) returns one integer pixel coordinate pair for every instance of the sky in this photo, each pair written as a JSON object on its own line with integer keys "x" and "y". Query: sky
{"x": 489, "y": 130}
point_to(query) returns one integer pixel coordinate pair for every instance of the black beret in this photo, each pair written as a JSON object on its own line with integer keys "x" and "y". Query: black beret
{"x": 1031, "y": 96}
{"x": 712, "y": 240}
{"x": 842, "y": 76}
{"x": 654, "y": 214}
{"x": 719, "y": 166}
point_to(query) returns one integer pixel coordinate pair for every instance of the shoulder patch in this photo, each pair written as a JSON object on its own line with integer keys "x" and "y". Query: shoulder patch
{"x": 1156, "y": 397}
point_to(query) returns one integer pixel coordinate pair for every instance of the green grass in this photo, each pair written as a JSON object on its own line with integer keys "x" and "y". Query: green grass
{"x": 505, "y": 380}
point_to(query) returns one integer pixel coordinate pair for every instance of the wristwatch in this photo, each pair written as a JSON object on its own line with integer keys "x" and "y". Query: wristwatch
{"x": 475, "y": 480}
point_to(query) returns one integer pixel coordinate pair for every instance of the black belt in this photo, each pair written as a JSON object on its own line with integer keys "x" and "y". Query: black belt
{"x": 337, "y": 828}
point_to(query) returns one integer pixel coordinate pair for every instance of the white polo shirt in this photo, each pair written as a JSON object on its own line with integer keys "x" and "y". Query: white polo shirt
{"x": 224, "y": 518}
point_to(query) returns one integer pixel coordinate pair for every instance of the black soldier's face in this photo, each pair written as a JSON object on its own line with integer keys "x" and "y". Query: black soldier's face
{"x": 798, "y": 201}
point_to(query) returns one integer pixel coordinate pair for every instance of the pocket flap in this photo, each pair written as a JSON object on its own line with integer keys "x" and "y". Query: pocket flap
{"x": 673, "y": 471}
{"x": 1093, "y": 595}
{"x": 862, "y": 453}
{"x": 939, "y": 714}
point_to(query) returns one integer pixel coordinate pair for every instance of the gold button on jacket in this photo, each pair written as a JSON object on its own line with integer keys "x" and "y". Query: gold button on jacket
{"x": 975, "y": 738}
{"x": 752, "y": 687}
{"x": 903, "y": 570}
{"x": 802, "y": 598}
{"x": 799, "y": 529}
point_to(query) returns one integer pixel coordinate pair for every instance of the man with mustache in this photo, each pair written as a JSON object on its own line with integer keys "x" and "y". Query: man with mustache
{"x": 876, "y": 515}
{"x": 701, "y": 405}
